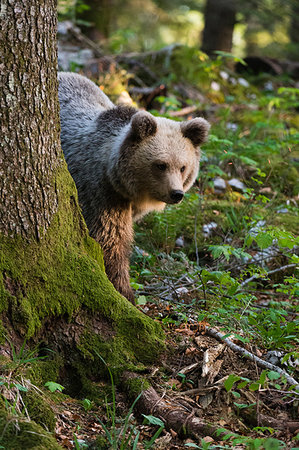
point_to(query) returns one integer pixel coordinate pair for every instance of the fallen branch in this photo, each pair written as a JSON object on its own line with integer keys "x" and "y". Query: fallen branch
{"x": 262, "y": 275}
{"x": 175, "y": 417}
{"x": 266, "y": 421}
{"x": 183, "y": 112}
{"x": 260, "y": 362}
{"x": 77, "y": 33}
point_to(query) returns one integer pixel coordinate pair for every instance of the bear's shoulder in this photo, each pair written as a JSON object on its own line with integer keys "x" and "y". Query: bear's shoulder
{"x": 79, "y": 90}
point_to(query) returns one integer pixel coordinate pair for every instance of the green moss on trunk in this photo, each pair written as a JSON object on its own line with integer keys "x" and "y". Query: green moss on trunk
{"x": 62, "y": 277}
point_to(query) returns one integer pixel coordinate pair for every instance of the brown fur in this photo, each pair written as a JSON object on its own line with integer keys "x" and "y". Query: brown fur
{"x": 125, "y": 163}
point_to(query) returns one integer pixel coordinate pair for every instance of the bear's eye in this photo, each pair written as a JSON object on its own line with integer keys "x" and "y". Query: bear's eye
{"x": 161, "y": 166}
{"x": 183, "y": 169}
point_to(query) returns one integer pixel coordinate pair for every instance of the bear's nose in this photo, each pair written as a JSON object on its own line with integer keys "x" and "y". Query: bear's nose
{"x": 176, "y": 196}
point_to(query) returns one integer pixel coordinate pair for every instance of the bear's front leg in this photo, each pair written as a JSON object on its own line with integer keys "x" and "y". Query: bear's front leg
{"x": 114, "y": 232}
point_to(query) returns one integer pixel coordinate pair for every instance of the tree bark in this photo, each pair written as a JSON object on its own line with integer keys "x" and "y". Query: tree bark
{"x": 30, "y": 150}
{"x": 220, "y": 19}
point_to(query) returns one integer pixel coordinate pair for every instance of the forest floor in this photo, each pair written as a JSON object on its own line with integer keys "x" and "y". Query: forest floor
{"x": 226, "y": 259}
{"x": 265, "y": 416}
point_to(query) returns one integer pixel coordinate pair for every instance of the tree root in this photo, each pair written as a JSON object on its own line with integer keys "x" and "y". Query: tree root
{"x": 250, "y": 417}
{"x": 175, "y": 417}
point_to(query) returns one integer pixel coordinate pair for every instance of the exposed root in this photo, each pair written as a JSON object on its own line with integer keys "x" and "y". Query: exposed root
{"x": 176, "y": 417}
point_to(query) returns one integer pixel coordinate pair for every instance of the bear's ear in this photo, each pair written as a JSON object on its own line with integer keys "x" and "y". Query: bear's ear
{"x": 196, "y": 130}
{"x": 143, "y": 125}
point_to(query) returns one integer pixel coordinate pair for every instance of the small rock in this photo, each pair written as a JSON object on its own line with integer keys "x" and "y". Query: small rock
{"x": 180, "y": 242}
{"x": 252, "y": 97}
{"x": 224, "y": 75}
{"x": 264, "y": 256}
{"x": 208, "y": 228}
{"x": 283, "y": 211}
{"x": 231, "y": 126}
{"x": 274, "y": 357}
{"x": 268, "y": 86}
{"x": 69, "y": 54}
{"x": 180, "y": 291}
{"x": 140, "y": 251}
{"x": 215, "y": 86}
{"x": 254, "y": 231}
{"x": 243, "y": 82}
{"x": 219, "y": 185}
{"x": 237, "y": 185}
{"x": 65, "y": 28}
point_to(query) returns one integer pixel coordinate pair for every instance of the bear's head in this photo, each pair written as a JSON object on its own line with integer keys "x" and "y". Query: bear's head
{"x": 158, "y": 158}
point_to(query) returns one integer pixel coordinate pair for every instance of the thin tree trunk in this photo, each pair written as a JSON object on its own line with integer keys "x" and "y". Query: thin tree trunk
{"x": 294, "y": 23}
{"x": 220, "y": 19}
{"x": 98, "y": 17}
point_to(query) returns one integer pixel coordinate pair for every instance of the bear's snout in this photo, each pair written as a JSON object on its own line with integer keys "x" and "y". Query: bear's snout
{"x": 176, "y": 196}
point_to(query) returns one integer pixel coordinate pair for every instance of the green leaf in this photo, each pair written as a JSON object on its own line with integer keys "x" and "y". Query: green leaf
{"x": 222, "y": 54}
{"x": 236, "y": 394}
{"x": 136, "y": 441}
{"x": 154, "y": 420}
{"x": 228, "y": 383}
{"x": 241, "y": 405}
{"x": 272, "y": 375}
{"x": 87, "y": 404}
{"x": 54, "y": 386}
{"x": 21, "y": 388}
{"x": 243, "y": 383}
{"x": 146, "y": 272}
{"x": 248, "y": 240}
{"x": 263, "y": 377}
{"x": 264, "y": 240}
{"x": 254, "y": 386}
{"x": 141, "y": 300}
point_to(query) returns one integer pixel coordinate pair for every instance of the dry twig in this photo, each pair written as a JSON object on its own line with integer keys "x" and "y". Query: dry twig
{"x": 260, "y": 362}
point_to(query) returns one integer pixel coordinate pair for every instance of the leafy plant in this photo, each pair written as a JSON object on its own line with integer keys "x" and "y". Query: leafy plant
{"x": 87, "y": 404}
{"x": 24, "y": 356}
{"x": 53, "y": 387}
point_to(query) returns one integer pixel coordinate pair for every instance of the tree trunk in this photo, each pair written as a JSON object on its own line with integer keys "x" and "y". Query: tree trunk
{"x": 30, "y": 150}
{"x": 294, "y": 28}
{"x": 98, "y": 17}
{"x": 53, "y": 288}
{"x": 220, "y": 19}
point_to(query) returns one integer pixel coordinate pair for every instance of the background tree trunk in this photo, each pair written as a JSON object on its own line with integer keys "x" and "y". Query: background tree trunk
{"x": 220, "y": 19}
{"x": 294, "y": 23}
{"x": 99, "y": 14}
{"x": 53, "y": 287}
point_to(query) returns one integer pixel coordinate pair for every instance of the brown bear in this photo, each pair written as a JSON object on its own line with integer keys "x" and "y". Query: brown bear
{"x": 125, "y": 163}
